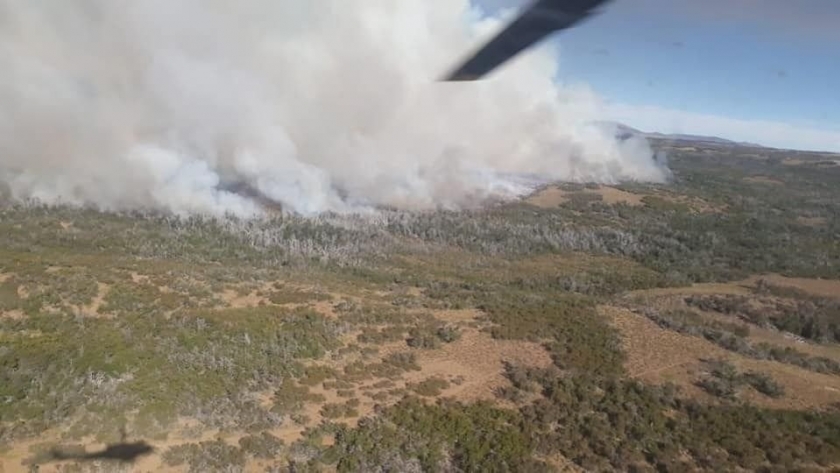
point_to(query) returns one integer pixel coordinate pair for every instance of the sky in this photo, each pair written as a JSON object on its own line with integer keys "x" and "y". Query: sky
{"x": 764, "y": 71}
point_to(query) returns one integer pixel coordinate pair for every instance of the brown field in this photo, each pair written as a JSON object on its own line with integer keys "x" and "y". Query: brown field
{"x": 548, "y": 198}
{"x": 612, "y": 195}
{"x": 657, "y": 355}
{"x": 763, "y": 180}
{"x": 553, "y": 196}
{"x": 658, "y": 294}
{"x": 320, "y": 322}
{"x": 812, "y": 221}
{"x": 816, "y": 287}
{"x": 473, "y": 366}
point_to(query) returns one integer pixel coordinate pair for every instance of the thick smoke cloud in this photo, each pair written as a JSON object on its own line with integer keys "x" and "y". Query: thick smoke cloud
{"x": 214, "y": 106}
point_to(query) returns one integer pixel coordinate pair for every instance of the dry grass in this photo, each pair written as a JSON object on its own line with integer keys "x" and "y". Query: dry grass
{"x": 14, "y": 315}
{"x": 92, "y": 309}
{"x": 458, "y": 316}
{"x": 12, "y": 461}
{"x": 763, "y": 180}
{"x": 477, "y": 359}
{"x": 695, "y": 204}
{"x": 548, "y": 198}
{"x": 553, "y": 196}
{"x": 236, "y": 301}
{"x": 612, "y": 195}
{"x": 812, "y": 221}
{"x": 657, "y": 355}
{"x": 739, "y": 288}
{"x": 562, "y": 464}
{"x": 816, "y": 287}
{"x": 758, "y": 335}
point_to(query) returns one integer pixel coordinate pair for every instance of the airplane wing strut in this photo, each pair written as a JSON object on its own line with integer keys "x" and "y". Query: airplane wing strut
{"x": 534, "y": 23}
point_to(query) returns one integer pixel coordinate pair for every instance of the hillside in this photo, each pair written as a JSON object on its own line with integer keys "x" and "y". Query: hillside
{"x": 623, "y": 131}
{"x": 688, "y": 326}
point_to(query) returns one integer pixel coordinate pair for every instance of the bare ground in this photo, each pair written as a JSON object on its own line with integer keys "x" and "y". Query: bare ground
{"x": 473, "y": 365}
{"x": 816, "y": 287}
{"x": 812, "y": 221}
{"x": 657, "y": 355}
{"x": 734, "y": 288}
{"x": 553, "y": 196}
{"x": 764, "y": 180}
{"x": 548, "y": 198}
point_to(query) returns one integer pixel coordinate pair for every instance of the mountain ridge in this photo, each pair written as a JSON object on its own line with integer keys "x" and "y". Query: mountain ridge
{"x": 624, "y": 132}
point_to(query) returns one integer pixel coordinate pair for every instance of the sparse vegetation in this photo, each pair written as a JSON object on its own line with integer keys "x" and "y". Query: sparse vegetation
{"x": 689, "y": 323}
{"x": 812, "y": 318}
{"x": 336, "y": 411}
{"x": 213, "y": 455}
{"x": 250, "y": 328}
{"x": 430, "y": 387}
{"x": 725, "y": 381}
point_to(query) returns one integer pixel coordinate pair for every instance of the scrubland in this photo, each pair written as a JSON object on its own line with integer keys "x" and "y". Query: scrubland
{"x": 687, "y": 326}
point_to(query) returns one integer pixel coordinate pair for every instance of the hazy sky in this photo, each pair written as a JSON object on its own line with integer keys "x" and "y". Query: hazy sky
{"x": 758, "y": 70}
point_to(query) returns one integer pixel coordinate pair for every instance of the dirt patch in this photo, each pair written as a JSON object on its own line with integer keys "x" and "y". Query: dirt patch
{"x": 562, "y": 464}
{"x": 477, "y": 360}
{"x": 816, "y": 287}
{"x": 812, "y": 221}
{"x": 92, "y": 309}
{"x": 695, "y": 204}
{"x": 739, "y": 288}
{"x": 457, "y": 316}
{"x": 612, "y": 195}
{"x": 14, "y": 315}
{"x": 236, "y": 301}
{"x": 138, "y": 278}
{"x": 786, "y": 340}
{"x": 792, "y": 162}
{"x": 414, "y": 291}
{"x": 325, "y": 308}
{"x": 553, "y": 196}
{"x": 764, "y": 180}
{"x": 657, "y": 355}
{"x": 548, "y": 198}
{"x": 291, "y": 431}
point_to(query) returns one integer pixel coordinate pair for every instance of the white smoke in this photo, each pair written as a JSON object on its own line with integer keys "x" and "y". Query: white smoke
{"x": 318, "y": 105}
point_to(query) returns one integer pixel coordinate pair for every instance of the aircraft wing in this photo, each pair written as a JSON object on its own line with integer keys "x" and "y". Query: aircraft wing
{"x": 535, "y": 23}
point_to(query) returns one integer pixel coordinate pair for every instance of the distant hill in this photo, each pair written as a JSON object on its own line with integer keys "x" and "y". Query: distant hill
{"x": 624, "y": 132}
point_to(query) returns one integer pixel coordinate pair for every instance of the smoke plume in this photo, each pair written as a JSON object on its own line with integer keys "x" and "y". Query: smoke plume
{"x": 215, "y": 106}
